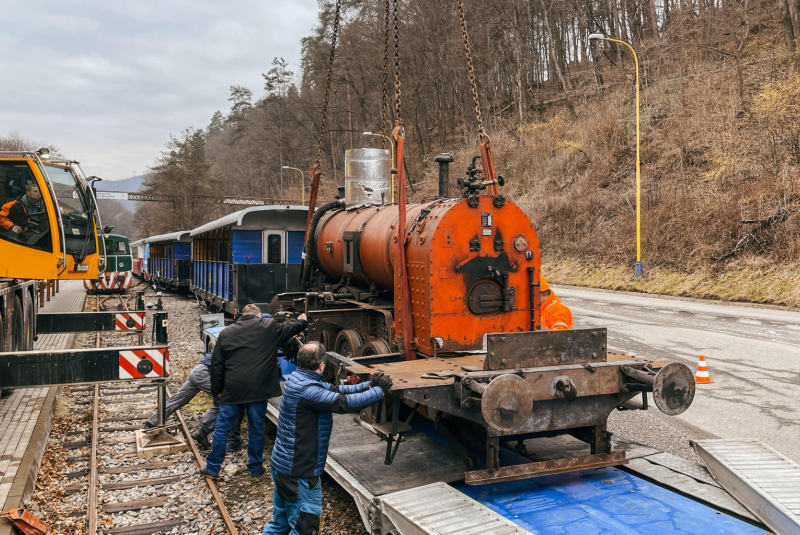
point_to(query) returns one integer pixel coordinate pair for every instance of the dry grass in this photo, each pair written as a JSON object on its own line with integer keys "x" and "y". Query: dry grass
{"x": 752, "y": 280}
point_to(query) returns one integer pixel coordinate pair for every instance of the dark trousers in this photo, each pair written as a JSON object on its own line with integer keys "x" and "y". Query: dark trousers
{"x": 228, "y": 417}
{"x": 198, "y": 381}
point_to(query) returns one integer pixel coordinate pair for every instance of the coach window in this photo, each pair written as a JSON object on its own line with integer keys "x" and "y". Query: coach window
{"x": 274, "y": 249}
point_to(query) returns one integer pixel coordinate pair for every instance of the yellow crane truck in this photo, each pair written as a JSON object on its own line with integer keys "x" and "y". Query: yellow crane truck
{"x": 48, "y": 230}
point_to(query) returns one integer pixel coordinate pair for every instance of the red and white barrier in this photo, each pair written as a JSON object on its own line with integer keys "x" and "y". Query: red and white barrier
{"x": 144, "y": 364}
{"x": 129, "y": 321}
{"x": 108, "y": 281}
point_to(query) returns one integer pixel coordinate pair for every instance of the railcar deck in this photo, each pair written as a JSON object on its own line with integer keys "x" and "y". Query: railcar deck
{"x": 608, "y": 500}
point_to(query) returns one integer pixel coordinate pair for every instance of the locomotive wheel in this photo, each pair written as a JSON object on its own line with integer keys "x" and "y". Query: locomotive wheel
{"x": 348, "y": 343}
{"x": 375, "y": 347}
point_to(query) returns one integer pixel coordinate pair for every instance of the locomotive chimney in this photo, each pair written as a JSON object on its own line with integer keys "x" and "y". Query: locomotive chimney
{"x": 444, "y": 160}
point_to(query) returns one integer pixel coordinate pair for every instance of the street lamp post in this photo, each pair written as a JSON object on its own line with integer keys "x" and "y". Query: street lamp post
{"x": 394, "y": 164}
{"x": 302, "y": 184}
{"x": 638, "y": 270}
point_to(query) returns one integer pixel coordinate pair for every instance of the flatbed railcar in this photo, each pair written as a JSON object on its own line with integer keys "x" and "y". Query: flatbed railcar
{"x": 118, "y": 275}
{"x": 248, "y": 256}
{"x": 140, "y": 252}
{"x": 423, "y": 490}
{"x": 169, "y": 260}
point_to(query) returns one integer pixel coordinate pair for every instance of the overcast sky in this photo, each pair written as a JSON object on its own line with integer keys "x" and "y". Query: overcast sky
{"x": 107, "y": 81}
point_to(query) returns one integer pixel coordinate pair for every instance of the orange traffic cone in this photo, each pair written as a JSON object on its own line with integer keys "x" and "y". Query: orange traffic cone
{"x": 702, "y": 372}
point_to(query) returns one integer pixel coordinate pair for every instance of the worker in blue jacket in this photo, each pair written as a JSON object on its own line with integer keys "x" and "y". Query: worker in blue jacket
{"x": 304, "y": 431}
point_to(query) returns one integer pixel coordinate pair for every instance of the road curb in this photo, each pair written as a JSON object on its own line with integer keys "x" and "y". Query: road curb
{"x": 680, "y": 298}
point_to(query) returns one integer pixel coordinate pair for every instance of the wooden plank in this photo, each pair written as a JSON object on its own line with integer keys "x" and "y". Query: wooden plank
{"x": 141, "y": 483}
{"x": 77, "y": 475}
{"x": 75, "y": 445}
{"x": 137, "y": 399}
{"x": 69, "y": 491}
{"x": 145, "y": 529}
{"x": 135, "y": 505}
{"x": 130, "y": 418}
{"x": 119, "y": 440}
{"x": 137, "y": 468}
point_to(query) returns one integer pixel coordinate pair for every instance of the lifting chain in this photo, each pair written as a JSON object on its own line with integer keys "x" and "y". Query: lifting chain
{"x": 385, "y": 123}
{"x": 398, "y": 120}
{"x": 473, "y": 85}
{"x": 328, "y": 84}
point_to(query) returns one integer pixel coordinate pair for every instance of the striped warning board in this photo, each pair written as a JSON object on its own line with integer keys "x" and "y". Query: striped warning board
{"x": 143, "y": 363}
{"x": 131, "y": 321}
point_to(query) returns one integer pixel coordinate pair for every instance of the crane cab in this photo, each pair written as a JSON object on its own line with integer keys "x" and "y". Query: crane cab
{"x": 48, "y": 219}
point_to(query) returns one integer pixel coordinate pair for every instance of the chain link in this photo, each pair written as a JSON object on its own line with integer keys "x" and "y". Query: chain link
{"x": 472, "y": 83}
{"x": 398, "y": 120}
{"x": 385, "y": 124}
{"x": 328, "y": 83}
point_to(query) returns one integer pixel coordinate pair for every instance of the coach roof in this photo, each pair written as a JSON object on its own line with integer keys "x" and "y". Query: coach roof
{"x": 172, "y": 236}
{"x": 255, "y": 217}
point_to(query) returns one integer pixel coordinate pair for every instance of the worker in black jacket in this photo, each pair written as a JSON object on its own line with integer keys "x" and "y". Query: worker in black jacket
{"x": 244, "y": 375}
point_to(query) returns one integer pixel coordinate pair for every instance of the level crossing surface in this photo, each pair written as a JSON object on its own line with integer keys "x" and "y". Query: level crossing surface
{"x": 26, "y": 413}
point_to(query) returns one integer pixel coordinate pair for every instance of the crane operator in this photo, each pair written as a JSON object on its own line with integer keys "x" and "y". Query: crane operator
{"x": 20, "y": 215}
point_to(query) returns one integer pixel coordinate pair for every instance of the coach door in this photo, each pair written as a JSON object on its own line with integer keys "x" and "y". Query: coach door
{"x": 275, "y": 258}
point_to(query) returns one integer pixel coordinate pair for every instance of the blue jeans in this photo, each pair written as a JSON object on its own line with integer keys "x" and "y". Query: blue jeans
{"x": 226, "y": 420}
{"x": 300, "y": 517}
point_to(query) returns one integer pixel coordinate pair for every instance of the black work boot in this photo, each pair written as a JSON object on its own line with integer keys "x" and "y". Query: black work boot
{"x": 200, "y": 437}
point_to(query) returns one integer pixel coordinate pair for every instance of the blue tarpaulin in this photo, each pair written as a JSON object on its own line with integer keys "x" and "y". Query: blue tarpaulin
{"x": 599, "y": 502}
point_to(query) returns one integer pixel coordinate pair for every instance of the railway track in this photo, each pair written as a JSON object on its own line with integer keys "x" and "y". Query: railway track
{"x": 62, "y": 496}
{"x": 115, "y": 480}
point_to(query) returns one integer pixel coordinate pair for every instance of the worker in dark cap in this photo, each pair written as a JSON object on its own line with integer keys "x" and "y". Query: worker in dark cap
{"x": 304, "y": 431}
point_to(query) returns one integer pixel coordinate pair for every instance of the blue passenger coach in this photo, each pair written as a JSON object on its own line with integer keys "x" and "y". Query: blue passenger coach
{"x": 170, "y": 260}
{"x": 248, "y": 256}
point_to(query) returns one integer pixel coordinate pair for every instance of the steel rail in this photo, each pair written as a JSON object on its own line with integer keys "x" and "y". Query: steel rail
{"x": 199, "y": 461}
{"x": 91, "y": 507}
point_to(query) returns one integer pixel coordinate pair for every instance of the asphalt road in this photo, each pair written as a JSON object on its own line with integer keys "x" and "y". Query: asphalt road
{"x": 753, "y": 356}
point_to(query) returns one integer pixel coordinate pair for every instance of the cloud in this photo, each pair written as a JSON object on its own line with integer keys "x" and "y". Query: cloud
{"x": 108, "y": 82}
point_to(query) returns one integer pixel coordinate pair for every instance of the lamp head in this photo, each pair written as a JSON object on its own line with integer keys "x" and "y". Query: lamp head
{"x": 599, "y": 36}
{"x": 286, "y": 167}
{"x": 44, "y": 153}
{"x": 367, "y": 133}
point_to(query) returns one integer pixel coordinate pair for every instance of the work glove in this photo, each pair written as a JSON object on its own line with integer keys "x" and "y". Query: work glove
{"x": 375, "y": 378}
{"x": 302, "y": 317}
{"x": 385, "y": 383}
